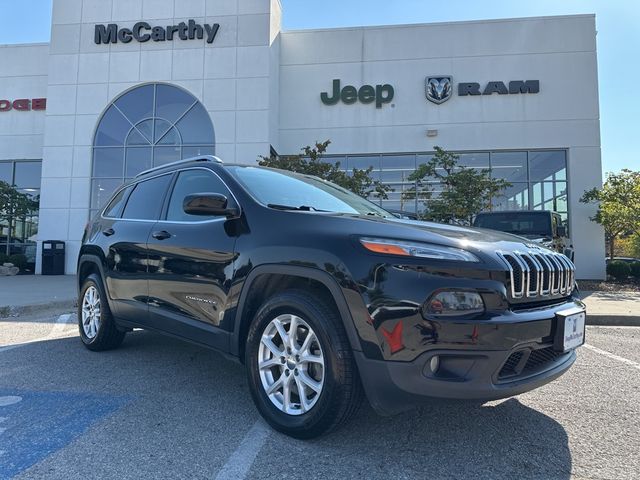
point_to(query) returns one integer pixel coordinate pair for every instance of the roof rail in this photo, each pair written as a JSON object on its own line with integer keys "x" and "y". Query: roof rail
{"x": 200, "y": 158}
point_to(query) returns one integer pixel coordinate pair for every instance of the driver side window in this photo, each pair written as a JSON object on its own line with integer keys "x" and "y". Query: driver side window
{"x": 189, "y": 182}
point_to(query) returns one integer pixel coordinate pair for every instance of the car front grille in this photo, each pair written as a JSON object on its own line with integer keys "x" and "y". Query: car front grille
{"x": 537, "y": 273}
{"x": 536, "y": 360}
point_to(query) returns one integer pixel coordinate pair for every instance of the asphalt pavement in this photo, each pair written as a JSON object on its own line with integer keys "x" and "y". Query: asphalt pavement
{"x": 161, "y": 408}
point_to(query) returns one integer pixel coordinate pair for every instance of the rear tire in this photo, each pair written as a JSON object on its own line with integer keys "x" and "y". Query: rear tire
{"x": 315, "y": 372}
{"x": 98, "y": 329}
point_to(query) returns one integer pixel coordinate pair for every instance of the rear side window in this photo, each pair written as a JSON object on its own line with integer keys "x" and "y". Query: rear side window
{"x": 115, "y": 207}
{"x": 146, "y": 199}
{"x": 193, "y": 181}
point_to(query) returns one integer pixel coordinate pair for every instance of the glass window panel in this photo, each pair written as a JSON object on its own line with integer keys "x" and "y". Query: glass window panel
{"x": 136, "y": 138}
{"x": 108, "y": 162}
{"x": 6, "y": 172}
{"x": 474, "y": 160}
{"x": 396, "y": 176}
{"x": 547, "y": 165}
{"x": 113, "y": 129}
{"x": 561, "y": 203}
{"x": 420, "y": 159}
{"x": 161, "y": 127}
{"x": 27, "y": 174}
{"x": 145, "y": 201}
{"x": 363, "y": 162}
{"x": 138, "y": 159}
{"x": 172, "y": 102}
{"x": 146, "y": 128}
{"x": 515, "y": 197}
{"x": 547, "y": 191}
{"x": 102, "y": 189}
{"x": 137, "y": 104}
{"x": 561, "y": 188}
{"x": 405, "y": 206}
{"x": 188, "y": 182}
{"x": 115, "y": 207}
{"x": 510, "y": 166}
{"x": 397, "y": 168}
{"x": 403, "y": 162}
{"x": 195, "y": 127}
{"x": 164, "y": 155}
{"x": 335, "y": 160}
{"x": 188, "y": 152}
{"x": 170, "y": 137}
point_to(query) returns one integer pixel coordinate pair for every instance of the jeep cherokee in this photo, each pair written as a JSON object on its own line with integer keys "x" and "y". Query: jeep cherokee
{"x": 323, "y": 295}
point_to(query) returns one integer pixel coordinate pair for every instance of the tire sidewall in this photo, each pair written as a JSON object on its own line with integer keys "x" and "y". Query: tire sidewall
{"x": 293, "y": 304}
{"x": 105, "y": 313}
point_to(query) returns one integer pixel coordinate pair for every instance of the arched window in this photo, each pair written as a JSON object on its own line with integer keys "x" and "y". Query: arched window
{"x": 147, "y": 126}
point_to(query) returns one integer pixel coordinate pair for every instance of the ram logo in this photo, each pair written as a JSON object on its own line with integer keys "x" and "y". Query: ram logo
{"x": 439, "y": 89}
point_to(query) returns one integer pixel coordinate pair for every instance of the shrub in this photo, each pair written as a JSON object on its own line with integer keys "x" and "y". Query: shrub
{"x": 19, "y": 260}
{"x": 618, "y": 270}
{"x": 635, "y": 270}
{"x": 3, "y": 258}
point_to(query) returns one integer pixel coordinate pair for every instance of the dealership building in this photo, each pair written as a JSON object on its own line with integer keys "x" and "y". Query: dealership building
{"x": 127, "y": 85}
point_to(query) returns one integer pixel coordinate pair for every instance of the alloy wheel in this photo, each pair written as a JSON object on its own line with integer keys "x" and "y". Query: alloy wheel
{"x": 291, "y": 364}
{"x": 91, "y": 312}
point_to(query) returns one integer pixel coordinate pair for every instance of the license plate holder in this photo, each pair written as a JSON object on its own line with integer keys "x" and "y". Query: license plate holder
{"x": 570, "y": 330}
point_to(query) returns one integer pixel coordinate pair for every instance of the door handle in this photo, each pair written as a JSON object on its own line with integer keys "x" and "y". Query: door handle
{"x": 161, "y": 235}
{"x": 108, "y": 232}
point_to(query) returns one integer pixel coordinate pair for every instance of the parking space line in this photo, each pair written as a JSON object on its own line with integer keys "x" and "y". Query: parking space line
{"x": 239, "y": 463}
{"x": 626, "y": 361}
{"x": 56, "y": 331}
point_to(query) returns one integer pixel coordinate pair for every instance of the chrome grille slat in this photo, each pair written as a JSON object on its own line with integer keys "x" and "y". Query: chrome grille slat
{"x": 538, "y": 273}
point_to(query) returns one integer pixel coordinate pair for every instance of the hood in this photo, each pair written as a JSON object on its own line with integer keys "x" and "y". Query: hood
{"x": 443, "y": 234}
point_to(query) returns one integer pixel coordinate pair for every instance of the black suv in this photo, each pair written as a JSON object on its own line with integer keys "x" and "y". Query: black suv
{"x": 323, "y": 295}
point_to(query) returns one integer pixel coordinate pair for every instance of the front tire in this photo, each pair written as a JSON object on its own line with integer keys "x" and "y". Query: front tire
{"x": 97, "y": 327}
{"x": 301, "y": 371}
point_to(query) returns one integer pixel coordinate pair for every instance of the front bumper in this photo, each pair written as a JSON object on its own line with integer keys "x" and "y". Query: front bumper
{"x": 516, "y": 357}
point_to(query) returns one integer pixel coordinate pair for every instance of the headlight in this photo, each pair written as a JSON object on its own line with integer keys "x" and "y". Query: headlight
{"x": 414, "y": 249}
{"x": 454, "y": 303}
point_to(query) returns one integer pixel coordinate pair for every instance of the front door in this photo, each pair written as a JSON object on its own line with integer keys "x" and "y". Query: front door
{"x": 191, "y": 264}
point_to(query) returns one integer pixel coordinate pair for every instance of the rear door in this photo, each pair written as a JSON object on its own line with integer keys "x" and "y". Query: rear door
{"x": 191, "y": 264}
{"x": 126, "y": 252}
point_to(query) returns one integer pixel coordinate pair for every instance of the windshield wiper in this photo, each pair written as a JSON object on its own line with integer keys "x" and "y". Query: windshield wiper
{"x": 304, "y": 208}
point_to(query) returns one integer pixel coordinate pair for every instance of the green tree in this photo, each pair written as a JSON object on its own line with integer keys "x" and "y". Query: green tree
{"x": 618, "y": 205}
{"x": 14, "y": 206}
{"x": 310, "y": 162}
{"x": 465, "y": 191}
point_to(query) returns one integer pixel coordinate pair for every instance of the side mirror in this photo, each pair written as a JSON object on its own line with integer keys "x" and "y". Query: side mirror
{"x": 562, "y": 231}
{"x": 208, "y": 204}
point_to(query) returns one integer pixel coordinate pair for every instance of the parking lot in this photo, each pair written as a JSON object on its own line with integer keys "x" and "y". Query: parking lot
{"x": 161, "y": 408}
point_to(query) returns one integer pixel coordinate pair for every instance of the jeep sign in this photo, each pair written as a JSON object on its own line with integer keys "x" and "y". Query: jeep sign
{"x": 143, "y": 32}
{"x": 381, "y": 94}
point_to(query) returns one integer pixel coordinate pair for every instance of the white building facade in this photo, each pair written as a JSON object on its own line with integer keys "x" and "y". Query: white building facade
{"x": 130, "y": 85}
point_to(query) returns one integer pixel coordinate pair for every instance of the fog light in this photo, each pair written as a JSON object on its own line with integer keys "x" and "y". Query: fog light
{"x": 434, "y": 364}
{"x": 453, "y": 303}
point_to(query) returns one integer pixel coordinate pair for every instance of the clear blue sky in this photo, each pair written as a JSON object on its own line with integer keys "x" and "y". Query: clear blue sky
{"x": 618, "y": 24}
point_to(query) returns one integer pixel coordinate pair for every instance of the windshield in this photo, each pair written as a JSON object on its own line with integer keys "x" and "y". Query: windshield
{"x": 293, "y": 191}
{"x": 514, "y": 222}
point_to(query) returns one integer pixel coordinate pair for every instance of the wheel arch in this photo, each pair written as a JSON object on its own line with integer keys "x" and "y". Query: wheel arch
{"x": 89, "y": 263}
{"x": 267, "y": 280}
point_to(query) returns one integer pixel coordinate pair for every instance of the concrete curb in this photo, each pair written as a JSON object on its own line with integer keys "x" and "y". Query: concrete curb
{"x": 11, "y": 311}
{"x": 613, "y": 320}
